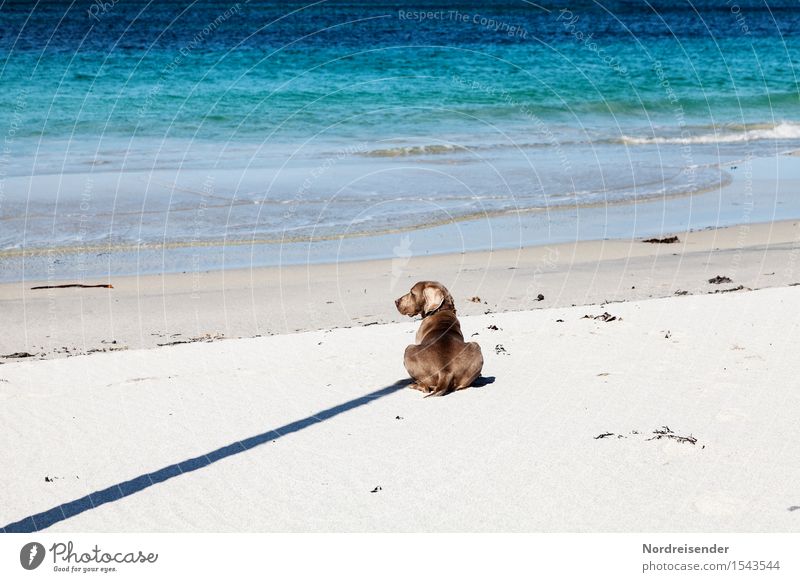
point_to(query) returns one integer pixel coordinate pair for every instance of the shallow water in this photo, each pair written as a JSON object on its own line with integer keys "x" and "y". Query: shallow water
{"x": 128, "y": 125}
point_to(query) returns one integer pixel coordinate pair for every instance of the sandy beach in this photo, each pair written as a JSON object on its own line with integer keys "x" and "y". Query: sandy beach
{"x": 153, "y": 310}
{"x": 674, "y": 412}
{"x": 676, "y": 416}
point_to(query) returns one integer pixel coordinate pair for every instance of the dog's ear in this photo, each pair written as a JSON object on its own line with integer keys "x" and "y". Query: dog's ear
{"x": 434, "y": 297}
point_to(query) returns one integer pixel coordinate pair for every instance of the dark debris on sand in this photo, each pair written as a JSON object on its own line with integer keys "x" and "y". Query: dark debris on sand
{"x": 73, "y": 285}
{"x": 731, "y": 290}
{"x": 203, "y": 338}
{"x": 607, "y": 317}
{"x": 103, "y": 350}
{"x": 18, "y": 355}
{"x": 662, "y": 241}
{"x": 720, "y": 279}
{"x": 609, "y": 434}
{"x": 666, "y": 433}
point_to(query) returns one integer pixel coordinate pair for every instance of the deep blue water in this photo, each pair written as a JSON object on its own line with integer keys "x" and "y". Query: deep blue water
{"x": 172, "y": 122}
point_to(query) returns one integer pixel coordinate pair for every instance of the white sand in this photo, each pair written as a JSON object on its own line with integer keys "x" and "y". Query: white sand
{"x": 519, "y": 454}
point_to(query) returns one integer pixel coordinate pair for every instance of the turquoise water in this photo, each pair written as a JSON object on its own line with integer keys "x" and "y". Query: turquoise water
{"x": 134, "y": 123}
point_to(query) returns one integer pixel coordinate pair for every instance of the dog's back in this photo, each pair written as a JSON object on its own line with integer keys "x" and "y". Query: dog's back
{"x": 442, "y": 361}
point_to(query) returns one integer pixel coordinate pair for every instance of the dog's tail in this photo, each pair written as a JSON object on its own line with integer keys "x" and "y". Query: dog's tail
{"x": 443, "y": 386}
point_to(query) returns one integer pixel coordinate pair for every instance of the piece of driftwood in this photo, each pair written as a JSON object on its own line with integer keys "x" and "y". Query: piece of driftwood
{"x": 662, "y": 241}
{"x": 78, "y": 285}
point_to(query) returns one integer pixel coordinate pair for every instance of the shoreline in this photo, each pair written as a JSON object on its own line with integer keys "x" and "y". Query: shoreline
{"x": 148, "y": 311}
{"x": 726, "y": 180}
{"x": 760, "y": 190}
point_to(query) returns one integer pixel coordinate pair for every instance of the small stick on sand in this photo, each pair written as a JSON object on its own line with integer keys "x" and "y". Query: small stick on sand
{"x": 662, "y": 241}
{"x": 79, "y": 285}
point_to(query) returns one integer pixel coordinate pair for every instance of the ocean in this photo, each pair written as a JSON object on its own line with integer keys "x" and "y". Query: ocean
{"x": 131, "y": 125}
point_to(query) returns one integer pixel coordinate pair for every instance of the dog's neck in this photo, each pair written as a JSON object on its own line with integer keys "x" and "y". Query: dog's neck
{"x": 443, "y": 307}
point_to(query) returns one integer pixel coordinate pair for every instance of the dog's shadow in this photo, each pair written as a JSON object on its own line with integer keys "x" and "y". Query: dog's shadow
{"x": 482, "y": 381}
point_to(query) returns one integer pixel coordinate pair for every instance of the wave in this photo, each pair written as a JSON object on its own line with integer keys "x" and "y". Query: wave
{"x": 415, "y": 150}
{"x": 700, "y": 134}
{"x": 443, "y": 149}
{"x": 726, "y": 134}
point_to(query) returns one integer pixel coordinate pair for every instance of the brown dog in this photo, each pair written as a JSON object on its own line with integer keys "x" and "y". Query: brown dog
{"x": 441, "y": 361}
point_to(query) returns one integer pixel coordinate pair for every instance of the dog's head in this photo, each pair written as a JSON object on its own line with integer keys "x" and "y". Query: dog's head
{"x": 425, "y": 298}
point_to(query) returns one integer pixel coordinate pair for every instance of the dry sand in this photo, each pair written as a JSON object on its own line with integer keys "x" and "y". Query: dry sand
{"x": 317, "y": 445}
{"x": 696, "y": 396}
